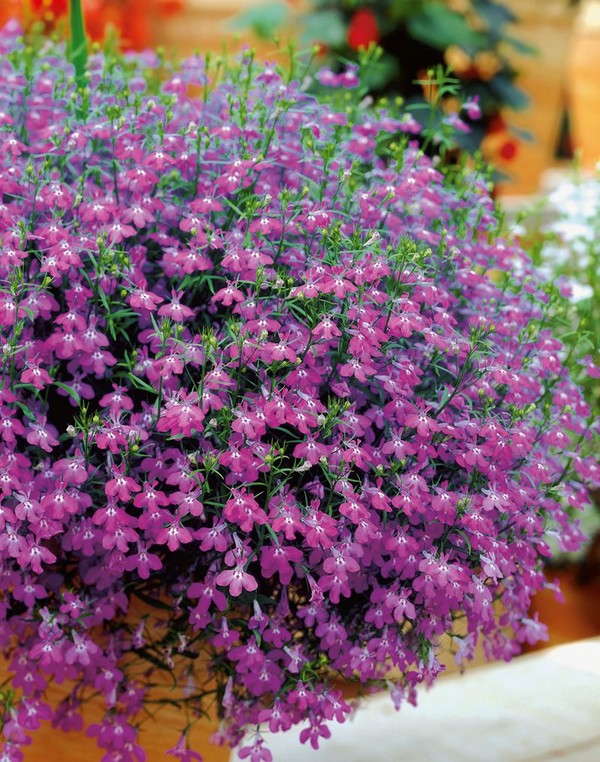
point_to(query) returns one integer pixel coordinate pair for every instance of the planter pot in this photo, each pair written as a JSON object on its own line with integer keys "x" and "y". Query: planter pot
{"x": 546, "y": 25}
{"x": 584, "y": 73}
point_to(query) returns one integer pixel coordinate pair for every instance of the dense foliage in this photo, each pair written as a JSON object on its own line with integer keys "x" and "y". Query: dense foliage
{"x": 279, "y": 402}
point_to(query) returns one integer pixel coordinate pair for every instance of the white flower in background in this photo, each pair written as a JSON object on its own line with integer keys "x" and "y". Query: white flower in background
{"x": 581, "y": 291}
{"x": 573, "y": 229}
{"x": 570, "y": 257}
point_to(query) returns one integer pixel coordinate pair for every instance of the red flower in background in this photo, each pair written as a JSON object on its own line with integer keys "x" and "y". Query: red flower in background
{"x": 55, "y": 7}
{"x": 499, "y": 141}
{"x": 495, "y": 124}
{"x": 169, "y": 7}
{"x": 131, "y": 18}
{"x": 363, "y": 29}
{"x": 509, "y": 150}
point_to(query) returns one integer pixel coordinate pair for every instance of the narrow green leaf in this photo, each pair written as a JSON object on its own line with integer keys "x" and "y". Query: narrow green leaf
{"x": 504, "y": 90}
{"x": 26, "y": 410}
{"x": 140, "y": 384}
{"x": 69, "y": 390}
{"x": 78, "y": 43}
{"x": 439, "y": 27}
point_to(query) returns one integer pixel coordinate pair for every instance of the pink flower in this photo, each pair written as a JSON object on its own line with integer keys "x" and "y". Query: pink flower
{"x": 237, "y": 580}
{"x": 228, "y": 295}
{"x": 242, "y": 509}
{"x": 174, "y": 535}
{"x": 144, "y": 300}
{"x": 42, "y": 435}
{"x": 121, "y": 486}
{"x": 175, "y": 310}
{"x": 181, "y": 414}
{"x": 81, "y": 651}
{"x": 183, "y": 752}
{"x": 311, "y": 450}
{"x": 36, "y": 376}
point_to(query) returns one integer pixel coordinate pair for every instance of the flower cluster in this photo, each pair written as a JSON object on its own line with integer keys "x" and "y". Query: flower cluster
{"x": 278, "y": 402}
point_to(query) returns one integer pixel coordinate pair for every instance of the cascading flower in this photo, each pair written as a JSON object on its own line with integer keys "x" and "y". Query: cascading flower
{"x": 267, "y": 370}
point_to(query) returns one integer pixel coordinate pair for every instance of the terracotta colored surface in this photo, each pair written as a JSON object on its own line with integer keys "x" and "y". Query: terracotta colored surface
{"x": 584, "y": 74}
{"x": 157, "y": 735}
{"x": 578, "y": 617}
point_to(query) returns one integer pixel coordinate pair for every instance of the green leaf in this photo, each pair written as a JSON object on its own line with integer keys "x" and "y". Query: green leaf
{"x": 378, "y": 74}
{"x": 521, "y": 47}
{"x": 69, "y": 390}
{"x": 440, "y": 27}
{"x": 509, "y": 94}
{"x": 264, "y": 20}
{"x": 78, "y": 43}
{"x": 25, "y": 409}
{"x": 325, "y": 27}
{"x": 140, "y": 384}
{"x": 494, "y": 14}
{"x": 526, "y": 135}
{"x": 124, "y": 313}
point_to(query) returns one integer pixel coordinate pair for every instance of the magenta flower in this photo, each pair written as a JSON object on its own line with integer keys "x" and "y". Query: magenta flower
{"x": 174, "y": 535}
{"x": 81, "y": 651}
{"x": 175, "y": 310}
{"x": 183, "y": 752}
{"x": 306, "y": 433}
{"x": 237, "y": 580}
{"x": 121, "y": 486}
{"x": 36, "y": 376}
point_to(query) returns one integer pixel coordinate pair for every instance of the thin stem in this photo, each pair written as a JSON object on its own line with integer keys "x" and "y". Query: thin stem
{"x": 78, "y": 46}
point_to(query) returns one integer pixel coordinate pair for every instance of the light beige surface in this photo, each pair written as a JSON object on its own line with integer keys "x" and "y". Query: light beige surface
{"x": 541, "y": 707}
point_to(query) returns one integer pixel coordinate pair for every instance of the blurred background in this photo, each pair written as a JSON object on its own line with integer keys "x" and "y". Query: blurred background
{"x": 533, "y": 64}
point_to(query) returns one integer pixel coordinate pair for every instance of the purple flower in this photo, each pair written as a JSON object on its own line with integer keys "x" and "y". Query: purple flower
{"x": 306, "y": 434}
{"x": 237, "y": 579}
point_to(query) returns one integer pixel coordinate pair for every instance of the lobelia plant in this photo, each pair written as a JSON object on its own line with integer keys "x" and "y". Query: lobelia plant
{"x": 279, "y": 402}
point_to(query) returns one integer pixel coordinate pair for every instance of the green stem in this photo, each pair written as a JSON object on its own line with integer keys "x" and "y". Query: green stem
{"x": 78, "y": 44}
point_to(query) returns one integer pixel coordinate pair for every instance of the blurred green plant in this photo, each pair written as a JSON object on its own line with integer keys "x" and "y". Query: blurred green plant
{"x": 473, "y": 38}
{"x": 562, "y": 235}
